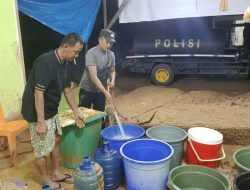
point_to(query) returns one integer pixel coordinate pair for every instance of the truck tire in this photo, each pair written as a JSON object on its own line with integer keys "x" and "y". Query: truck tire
{"x": 162, "y": 74}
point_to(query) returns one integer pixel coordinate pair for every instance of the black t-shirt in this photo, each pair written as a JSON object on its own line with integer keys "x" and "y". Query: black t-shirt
{"x": 49, "y": 75}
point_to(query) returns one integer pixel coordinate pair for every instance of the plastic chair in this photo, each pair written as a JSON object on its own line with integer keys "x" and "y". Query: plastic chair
{"x": 10, "y": 130}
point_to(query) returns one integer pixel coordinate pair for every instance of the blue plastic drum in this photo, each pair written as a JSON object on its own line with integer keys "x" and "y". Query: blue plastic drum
{"x": 146, "y": 164}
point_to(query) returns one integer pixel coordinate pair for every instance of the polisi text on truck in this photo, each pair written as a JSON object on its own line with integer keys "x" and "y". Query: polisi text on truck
{"x": 174, "y": 43}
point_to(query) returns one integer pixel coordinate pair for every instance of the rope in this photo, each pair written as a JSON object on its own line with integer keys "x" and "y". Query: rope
{"x": 223, "y": 5}
{"x": 113, "y": 104}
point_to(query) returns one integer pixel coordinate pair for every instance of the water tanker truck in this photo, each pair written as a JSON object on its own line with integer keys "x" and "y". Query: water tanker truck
{"x": 190, "y": 46}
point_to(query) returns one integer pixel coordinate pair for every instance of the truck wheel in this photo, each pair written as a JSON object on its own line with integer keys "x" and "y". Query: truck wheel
{"x": 162, "y": 74}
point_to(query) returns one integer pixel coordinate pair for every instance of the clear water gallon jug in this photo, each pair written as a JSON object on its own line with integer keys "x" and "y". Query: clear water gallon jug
{"x": 88, "y": 176}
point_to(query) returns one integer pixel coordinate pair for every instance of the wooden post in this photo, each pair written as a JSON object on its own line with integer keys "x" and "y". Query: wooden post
{"x": 117, "y": 14}
{"x": 104, "y": 6}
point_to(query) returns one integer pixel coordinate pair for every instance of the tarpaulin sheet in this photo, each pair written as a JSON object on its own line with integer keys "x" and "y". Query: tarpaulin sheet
{"x": 153, "y": 10}
{"x": 63, "y": 16}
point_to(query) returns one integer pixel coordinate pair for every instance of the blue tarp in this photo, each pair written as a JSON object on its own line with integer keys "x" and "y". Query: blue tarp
{"x": 63, "y": 16}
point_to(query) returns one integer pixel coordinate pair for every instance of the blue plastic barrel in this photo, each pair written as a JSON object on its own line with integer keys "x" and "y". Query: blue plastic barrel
{"x": 110, "y": 162}
{"x": 146, "y": 164}
{"x": 113, "y": 134}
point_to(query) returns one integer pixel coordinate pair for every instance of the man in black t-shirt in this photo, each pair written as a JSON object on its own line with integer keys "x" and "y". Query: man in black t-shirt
{"x": 50, "y": 77}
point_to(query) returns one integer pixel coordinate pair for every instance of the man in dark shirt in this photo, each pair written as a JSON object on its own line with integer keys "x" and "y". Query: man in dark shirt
{"x": 50, "y": 77}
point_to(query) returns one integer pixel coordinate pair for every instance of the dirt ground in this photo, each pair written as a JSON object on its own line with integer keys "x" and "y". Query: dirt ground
{"x": 222, "y": 104}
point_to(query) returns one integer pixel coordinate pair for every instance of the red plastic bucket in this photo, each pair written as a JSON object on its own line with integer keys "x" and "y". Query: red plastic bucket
{"x": 204, "y": 147}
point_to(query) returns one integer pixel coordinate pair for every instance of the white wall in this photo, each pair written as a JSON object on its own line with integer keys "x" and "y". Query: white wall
{"x": 12, "y": 76}
{"x": 151, "y": 10}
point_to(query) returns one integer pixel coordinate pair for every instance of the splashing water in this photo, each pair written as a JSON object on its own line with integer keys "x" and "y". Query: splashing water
{"x": 120, "y": 137}
{"x": 120, "y": 125}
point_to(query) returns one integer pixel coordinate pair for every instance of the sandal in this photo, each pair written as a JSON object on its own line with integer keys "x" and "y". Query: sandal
{"x": 59, "y": 187}
{"x": 67, "y": 179}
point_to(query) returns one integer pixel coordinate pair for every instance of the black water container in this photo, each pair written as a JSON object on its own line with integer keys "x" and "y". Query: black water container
{"x": 242, "y": 181}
